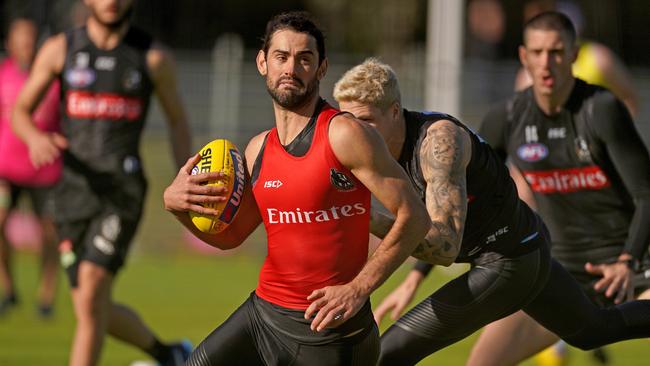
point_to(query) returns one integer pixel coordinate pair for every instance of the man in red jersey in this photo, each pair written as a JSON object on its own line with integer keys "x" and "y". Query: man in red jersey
{"x": 311, "y": 177}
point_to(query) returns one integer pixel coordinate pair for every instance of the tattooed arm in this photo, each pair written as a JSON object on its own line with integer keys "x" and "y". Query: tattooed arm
{"x": 444, "y": 155}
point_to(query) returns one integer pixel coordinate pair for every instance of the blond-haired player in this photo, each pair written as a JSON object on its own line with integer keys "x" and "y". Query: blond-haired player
{"x": 478, "y": 218}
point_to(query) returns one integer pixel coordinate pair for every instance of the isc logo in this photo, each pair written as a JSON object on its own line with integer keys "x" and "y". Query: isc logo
{"x": 272, "y": 184}
{"x": 493, "y": 237}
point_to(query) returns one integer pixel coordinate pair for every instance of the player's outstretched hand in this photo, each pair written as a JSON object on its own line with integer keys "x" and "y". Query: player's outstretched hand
{"x": 188, "y": 192}
{"x": 617, "y": 280}
{"x": 333, "y": 305}
{"x": 397, "y": 301}
{"x": 45, "y": 148}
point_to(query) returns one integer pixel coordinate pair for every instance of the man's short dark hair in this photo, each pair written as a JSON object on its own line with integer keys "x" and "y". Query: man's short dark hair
{"x": 551, "y": 20}
{"x": 299, "y": 21}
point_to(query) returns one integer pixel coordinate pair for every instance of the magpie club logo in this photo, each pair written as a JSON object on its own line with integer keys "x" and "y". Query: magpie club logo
{"x": 341, "y": 181}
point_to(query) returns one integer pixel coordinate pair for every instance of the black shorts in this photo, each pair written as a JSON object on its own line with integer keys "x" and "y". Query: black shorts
{"x": 82, "y": 193}
{"x": 261, "y": 333}
{"x": 40, "y": 198}
{"x": 103, "y": 239}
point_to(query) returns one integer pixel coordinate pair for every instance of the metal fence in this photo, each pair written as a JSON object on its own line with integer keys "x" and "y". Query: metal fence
{"x": 226, "y": 97}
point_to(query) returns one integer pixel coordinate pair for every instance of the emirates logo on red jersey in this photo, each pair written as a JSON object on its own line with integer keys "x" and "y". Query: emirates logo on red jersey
{"x": 87, "y": 105}
{"x": 299, "y": 216}
{"x": 567, "y": 180}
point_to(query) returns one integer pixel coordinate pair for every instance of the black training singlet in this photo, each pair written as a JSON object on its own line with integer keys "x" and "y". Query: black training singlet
{"x": 497, "y": 221}
{"x": 586, "y": 166}
{"x": 104, "y": 98}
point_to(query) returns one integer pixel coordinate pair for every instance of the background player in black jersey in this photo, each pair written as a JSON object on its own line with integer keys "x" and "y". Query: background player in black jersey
{"x": 589, "y": 173}
{"x": 332, "y": 324}
{"x": 108, "y": 71}
{"x": 476, "y": 217}
{"x": 595, "y": 63}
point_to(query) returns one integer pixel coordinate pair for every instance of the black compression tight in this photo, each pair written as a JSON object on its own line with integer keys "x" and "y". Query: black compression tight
{"x": 244, "y": 339}
{"x": 230, "y": 341}
{"x": 533, "y": 282}
{"x": 569, "y": 313}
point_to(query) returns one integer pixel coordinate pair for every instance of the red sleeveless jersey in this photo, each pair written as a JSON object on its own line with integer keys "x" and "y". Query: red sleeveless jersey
{"x": 316, "y": 215}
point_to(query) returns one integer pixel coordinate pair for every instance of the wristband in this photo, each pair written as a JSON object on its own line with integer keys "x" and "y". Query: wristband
{"x": 423, "y": 267}
{"x": 632, "y": 263}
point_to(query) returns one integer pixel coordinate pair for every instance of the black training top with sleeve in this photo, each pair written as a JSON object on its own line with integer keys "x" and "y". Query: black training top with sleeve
{"x": 587, "y": 167}
{"x": 105, "y": 96}
{"x": 495, "y": 287}
{"x": 497, "y": 220}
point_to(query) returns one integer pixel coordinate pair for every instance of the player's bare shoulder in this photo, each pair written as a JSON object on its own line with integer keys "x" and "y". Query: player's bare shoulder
{"x": 160, "y": 62}
{"x": 253, "y": 149}
{"x": 346, "y": 126}
{"x": 352, "y": 140}
{"x": 447, "y": 147}
{"x": 51, "y": 56}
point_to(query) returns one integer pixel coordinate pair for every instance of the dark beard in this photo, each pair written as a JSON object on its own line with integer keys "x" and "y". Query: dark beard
{"x": 291, "y": 100}
{"x": 126, "y": 17}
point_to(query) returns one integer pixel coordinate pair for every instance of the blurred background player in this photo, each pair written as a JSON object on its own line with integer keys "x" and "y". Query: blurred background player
{"x": 486, "y": 27}
{"x": 17, "y": 174}
{"x": 589, "y": 172}
{"x": 595, "y": 64}
{"x": 311, "y": 305}
{"x": 108, "y": 71}
{"x": 477, "y": 218}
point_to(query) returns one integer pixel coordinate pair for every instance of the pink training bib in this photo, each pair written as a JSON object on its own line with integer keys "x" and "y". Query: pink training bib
{"x": 15, "y": 165}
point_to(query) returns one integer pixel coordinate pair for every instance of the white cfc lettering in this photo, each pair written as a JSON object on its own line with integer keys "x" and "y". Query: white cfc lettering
{"x": 531, "y": 134}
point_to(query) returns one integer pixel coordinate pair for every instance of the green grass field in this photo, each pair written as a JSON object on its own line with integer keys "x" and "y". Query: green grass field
{"x": 187, "y": 296}
{"x": 183, "y": 293}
